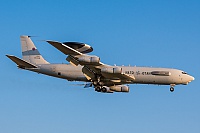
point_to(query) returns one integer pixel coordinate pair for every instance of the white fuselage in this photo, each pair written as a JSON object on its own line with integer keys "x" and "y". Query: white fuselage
{"x": 89, "y": 68}
{"x": 143, "y": 75}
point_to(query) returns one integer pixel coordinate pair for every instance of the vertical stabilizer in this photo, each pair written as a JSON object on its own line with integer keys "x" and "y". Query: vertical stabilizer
{"x": 30, "y": 52}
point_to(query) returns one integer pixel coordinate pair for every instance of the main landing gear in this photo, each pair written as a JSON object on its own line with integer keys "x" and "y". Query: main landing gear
{"x": 172, "y": 87}
{"x": 99, "y": 85}
{"x": 100, "y": 89}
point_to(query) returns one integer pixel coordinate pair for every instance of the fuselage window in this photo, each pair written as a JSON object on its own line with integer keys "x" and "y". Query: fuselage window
{"x": 184, "y": 73}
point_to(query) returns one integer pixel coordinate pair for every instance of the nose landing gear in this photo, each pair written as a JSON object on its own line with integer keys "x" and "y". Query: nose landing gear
{"x": 172, "y": 87}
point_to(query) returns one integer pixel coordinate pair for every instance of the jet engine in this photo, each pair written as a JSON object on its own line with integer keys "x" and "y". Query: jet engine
{"x": 112, "y": 70}
{"x": 89, "y": 59}
{"x": 119, "y": 88}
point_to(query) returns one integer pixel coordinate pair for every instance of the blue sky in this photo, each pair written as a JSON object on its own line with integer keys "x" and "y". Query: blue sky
{"x": 136, "y": 32}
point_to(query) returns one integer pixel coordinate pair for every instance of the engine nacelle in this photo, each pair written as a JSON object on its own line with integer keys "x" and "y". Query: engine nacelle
{"x": 112, "y": 70}
{"x": 119, "y": 88}
{"x": 89, "y": 59}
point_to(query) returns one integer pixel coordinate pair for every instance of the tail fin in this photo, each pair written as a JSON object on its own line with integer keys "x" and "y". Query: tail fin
{"x": 30, "y": 52}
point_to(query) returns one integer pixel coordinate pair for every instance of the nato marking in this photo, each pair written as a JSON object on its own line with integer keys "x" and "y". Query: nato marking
{"x": 138, "y": 73}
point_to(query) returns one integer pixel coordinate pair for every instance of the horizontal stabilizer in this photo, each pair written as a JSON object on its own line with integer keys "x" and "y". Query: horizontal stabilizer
{"x": 21, "y": 63}
{"x": 64, "y": 48}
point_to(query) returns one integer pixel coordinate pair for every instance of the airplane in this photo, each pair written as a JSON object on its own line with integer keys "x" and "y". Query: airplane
{"x": 88, "y": 68}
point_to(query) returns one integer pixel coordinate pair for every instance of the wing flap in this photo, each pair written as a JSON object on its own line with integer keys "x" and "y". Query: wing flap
{"x": 89, "y": 74}
{"x": 72, "y": 60}
{"x": 129, "y": 77}
{"x": 21, "y": 63}
{"x": 118, "y": 77}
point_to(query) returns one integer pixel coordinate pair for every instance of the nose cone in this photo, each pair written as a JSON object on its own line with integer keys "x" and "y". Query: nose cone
{"x": 191, "y": 78}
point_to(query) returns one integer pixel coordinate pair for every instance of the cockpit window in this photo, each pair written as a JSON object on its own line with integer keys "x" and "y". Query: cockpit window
{"x": 184, "y": 73}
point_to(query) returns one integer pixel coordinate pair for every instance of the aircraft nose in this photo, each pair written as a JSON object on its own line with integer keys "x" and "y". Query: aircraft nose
{"x": 191, "y": 78}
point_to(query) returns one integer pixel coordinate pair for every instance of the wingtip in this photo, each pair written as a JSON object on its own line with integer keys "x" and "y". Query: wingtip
{"x": 48, "y": 41}
{"x": 8, "y": 55}
{"x": 53, "y": 42}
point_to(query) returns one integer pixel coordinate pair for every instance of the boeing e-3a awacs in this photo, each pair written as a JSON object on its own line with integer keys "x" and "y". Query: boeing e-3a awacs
{"x": 88, "y": 68}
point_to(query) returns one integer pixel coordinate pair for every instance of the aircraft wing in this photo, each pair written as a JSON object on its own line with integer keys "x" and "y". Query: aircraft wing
{"x": 64, "y": 48}
{"x": 75, "y": 57}
{"x": 110, "y": 78}
{"x": 92, "y": 65}
{"x": 119, "y": 76}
